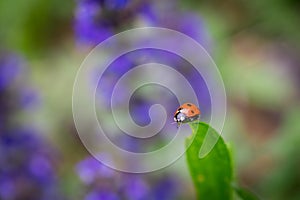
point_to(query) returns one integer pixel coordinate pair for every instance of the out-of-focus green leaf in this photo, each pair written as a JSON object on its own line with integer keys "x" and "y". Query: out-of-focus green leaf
{"x": 212, "y": 175}
{"x": 33, "y": 27}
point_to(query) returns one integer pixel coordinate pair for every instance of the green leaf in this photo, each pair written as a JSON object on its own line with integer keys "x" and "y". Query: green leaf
{"x": 212, "y": 175}
{"x": 245, "y": 194}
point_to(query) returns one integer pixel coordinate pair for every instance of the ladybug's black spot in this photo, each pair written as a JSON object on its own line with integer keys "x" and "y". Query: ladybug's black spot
{"x": 192, "y": 111}
{"x": 188, "y": 104}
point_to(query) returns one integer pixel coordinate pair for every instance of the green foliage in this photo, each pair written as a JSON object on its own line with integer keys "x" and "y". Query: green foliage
{"x": 34, "y": 26}
{"x": 212, "y": 175}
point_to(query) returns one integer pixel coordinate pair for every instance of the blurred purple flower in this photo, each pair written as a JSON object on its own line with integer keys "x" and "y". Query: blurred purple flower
{"x": 26, "y": 161}
{"x": 90, "y": 169}
{"x": 87, "y": 31}
{"x": 135, "y": 188}
{"x": 188, "y": 23}
{"x": 26, "y": 166}
{"x": 139, "y": 108}
{"x": 114, "y": 4}
{"x": 96, "y": 20}
{"x": 29, "y": 98}
{"x": 119, "y": 185}
{"x": 10, "y": 68}
{"x": 102, "y": 194}
{"x": 15, "y": 95}
{"x": 95, "y": 17}
{"x": 7, "y": 188}
{"x": 40, "y": 166}
{"x": 166, "y": 189}
{"x": 91, "y": 22}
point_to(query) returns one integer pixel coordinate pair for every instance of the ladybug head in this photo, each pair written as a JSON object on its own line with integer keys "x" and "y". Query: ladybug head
{"x": 180, "y": 117}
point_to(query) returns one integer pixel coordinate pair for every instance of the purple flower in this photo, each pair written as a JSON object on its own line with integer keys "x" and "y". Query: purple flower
{"x": 96, "y": 20}
{"x": 114, "y": 4}
{"x": 113, "y": 185}
{"x": 139, "y": 108}
{"x": 102, "y": 194}
{"x": 10, "y": 68}
{"x": 90, "y": 170}
{"x": 166, "y": 188}
{"x": 91, "y": 23}
{"x": 26, "y": 161}
{"x": 188, "y": 23}
{"x": 110, "y": 78}
{"x": 87, "y": 30}
{"x": 7, "y": 188}
{"x": 26, "y": 166}
{"x": 40, "y": 167}
{"x": 29, "y": 98}
{"x": 135, "y": 188}
{"x": 15, "y": 95}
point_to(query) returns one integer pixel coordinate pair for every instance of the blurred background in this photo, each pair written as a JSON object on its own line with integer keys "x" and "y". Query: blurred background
{"x": 255, "y": 44}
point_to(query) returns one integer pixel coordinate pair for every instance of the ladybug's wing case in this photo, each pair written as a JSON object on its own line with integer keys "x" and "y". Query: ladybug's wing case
{"x": 194, "y": 111}
{"x": 188, "y": 109}
{"x": 186, "y": 113}
{"x": 191, "y": 109}
{"x": 177, "y": 111}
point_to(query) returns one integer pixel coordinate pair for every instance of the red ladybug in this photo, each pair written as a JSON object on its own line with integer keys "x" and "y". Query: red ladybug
{"x": 187, "y": 112}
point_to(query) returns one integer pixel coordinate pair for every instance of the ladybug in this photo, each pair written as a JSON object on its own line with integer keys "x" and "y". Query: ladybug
{"x": 187, "y": 112}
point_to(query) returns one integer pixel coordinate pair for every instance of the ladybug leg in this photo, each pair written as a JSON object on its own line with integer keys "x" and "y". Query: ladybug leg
{"x": 178, "y": 124}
